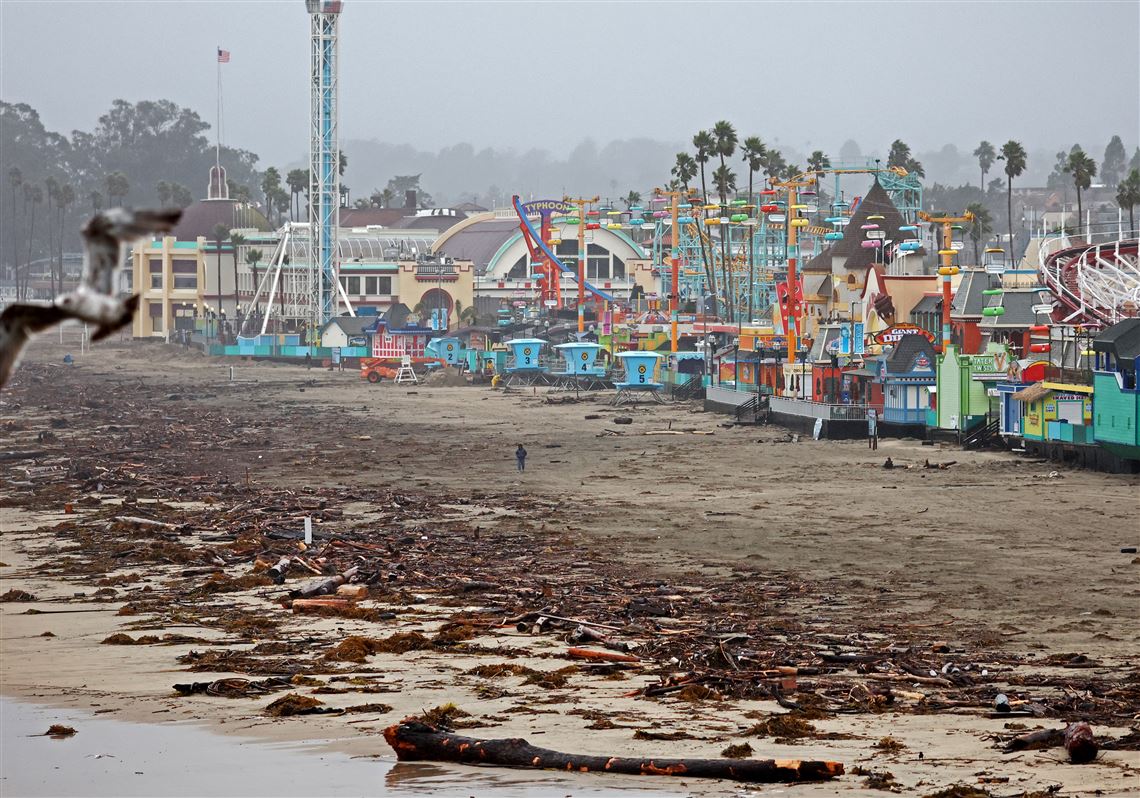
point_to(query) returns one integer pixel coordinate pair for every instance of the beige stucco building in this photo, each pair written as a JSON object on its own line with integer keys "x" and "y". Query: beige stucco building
{"x": 169, "y": 275}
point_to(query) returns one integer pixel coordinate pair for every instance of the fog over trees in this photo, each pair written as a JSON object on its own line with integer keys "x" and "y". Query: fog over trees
{"x": 157, "y": 153}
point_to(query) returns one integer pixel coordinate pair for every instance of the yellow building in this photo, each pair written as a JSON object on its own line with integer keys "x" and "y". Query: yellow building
{"x": 169, "y": 275}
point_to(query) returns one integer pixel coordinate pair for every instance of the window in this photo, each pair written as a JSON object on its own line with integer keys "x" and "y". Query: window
{"x": 597, "y": 268}
{"x": 186, "y": 281}
{"x": 618, "y": 268}
{"x": 156, "y": 280}
{"x": 519, "y": 271}
{"x": 374, "y": 286}
{"x": 352, "y": 286}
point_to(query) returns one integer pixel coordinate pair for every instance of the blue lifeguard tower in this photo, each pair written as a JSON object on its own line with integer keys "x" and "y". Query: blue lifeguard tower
{"x": 582, "y": 371}
{"x": 525, "y": 356}
{"x": 449, "y": 350}
{"x": 640, "y": 378}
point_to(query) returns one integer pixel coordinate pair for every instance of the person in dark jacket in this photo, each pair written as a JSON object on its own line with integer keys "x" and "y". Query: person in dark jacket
{"x": 520, "y": 456}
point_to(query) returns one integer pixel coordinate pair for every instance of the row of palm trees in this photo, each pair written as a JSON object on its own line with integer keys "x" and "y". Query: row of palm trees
{"x": 722, "y": 143}
{"x": 59, "y": 197}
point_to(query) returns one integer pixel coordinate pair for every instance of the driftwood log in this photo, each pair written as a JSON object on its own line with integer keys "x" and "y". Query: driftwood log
{"x": 414, "y": 740}
{"x": 277, "y": 572}
{"x": 1080, "y": 743}
{"x": 325, "y": 586}
{"x": 1077, "y": 739}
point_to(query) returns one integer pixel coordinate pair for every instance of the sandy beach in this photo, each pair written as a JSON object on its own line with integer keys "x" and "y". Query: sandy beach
{"x": 991, "y": 575}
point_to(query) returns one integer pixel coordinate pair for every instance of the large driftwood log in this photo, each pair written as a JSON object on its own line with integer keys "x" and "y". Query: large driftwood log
{"x": 1077, "y": 738}
{"x": 414, "y": 740}
{"x": 1080, "y": 743}
{"x": 325, "y": 586}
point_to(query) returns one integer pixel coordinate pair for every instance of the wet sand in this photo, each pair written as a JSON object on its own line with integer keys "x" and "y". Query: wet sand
{"x": 1022, "y": 554}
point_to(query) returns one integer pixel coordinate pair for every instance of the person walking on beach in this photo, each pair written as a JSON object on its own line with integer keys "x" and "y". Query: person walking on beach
{"x": 872, "y": 430}
{"x": 308, "y": 360}
{"x": 520, "y": 456}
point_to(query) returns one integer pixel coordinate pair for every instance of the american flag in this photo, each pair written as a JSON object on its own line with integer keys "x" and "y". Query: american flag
{"x": 223, "y": 56}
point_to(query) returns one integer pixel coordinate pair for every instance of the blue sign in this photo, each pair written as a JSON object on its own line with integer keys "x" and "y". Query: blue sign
{"x": 858, "y": 337}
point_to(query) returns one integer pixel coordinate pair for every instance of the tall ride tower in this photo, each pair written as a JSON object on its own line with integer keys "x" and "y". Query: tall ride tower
{"x": 324, "y": 160}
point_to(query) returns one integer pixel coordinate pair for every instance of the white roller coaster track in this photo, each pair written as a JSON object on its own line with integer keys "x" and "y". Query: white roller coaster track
{"x": 1095, "y": 282}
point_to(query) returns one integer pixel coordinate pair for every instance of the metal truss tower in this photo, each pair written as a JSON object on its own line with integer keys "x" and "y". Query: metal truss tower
{"x": 324, "y": 160}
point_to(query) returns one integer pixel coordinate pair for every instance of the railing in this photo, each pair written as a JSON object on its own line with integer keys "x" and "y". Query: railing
{"x": 810, "y": 409}
{"x": 752, "y": 408}
{"x": 690, "y": 389}
{"x": 1068, "y": 376}
{"x": 897, "y": 415}
{"x": 981, "y": 436}
{"x": 435, "y": 271}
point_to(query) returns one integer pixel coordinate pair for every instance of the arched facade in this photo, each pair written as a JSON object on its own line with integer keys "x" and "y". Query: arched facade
{"x": 503, "y": 265}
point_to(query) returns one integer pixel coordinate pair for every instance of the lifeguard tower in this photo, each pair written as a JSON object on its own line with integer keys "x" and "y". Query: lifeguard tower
{"x": 525, "y": 356}
{"x": 406, "y": 375}
{"x": 640, "y": 378}
{"x": 582, "y": 371}
{"x": 448, "y": 350}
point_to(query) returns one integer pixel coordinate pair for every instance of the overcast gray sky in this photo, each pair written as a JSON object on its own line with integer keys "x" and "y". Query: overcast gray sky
{"x": 547, "y": 75}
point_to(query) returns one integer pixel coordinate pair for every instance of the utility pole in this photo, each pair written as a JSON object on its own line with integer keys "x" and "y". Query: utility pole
{"x": 948, "y": 269}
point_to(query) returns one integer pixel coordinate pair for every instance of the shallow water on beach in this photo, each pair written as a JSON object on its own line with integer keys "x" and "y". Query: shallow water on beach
{"x": 117, "y": 758}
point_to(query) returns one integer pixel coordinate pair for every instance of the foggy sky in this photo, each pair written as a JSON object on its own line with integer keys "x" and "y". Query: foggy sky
{"x": 547, "y": 75}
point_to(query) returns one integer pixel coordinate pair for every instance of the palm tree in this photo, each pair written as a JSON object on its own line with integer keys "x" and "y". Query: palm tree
{"x": 725, "y": 135}
{"x": 253, "y": 257}
{"x": 631, "y": 199}
{"x": 270, "y": 185}
{"x": 981, "y": 227}
{"x": 236, "y": 241}
{"x": 1128, "y": 196}
{"x": 818, "y": 161}
{"x": 774, "y": 165}
{"x": 985, "y": 153}
{"x": 96, "y": 200}
{"x": 1083, "y": 170}
{"x": 298, "y": 182}
{"x": 180, "y": 196}
{"x": 118, "y": 187}
{"x": 754, "y": 150}
{"x": 52, "y": 186}
{"x": 33, "y": 196}
{"x": 15, "y": 180}
{"x": 387, "y": 195}
{"x": 899, "y": 154}
{"x": 685, "y": 169}
{"x": 705, "y": 144}
{"x": 64, "y": 197}
{"x": 164, "y": 194}
{"x": 1014, "y": 156}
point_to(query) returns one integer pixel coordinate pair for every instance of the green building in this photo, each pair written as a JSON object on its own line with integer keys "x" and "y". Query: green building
{"x": 962, "y": 387}
{"x": 1116, "y": 407}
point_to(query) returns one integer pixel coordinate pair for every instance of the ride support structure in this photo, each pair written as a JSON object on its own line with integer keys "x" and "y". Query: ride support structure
{"x": 324, "y": 158}
{"x": 947, "y": 270}
{"x": 538, "y": 244}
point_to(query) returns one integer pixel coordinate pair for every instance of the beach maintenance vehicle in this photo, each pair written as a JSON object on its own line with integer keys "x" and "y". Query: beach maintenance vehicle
{"x": 375, "y": 369}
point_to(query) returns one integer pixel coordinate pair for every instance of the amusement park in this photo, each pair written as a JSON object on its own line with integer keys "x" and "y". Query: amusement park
{"x": 761, "y": 465}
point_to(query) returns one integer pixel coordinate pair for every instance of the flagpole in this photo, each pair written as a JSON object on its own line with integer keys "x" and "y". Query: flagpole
{"x": 218, "y": 129}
